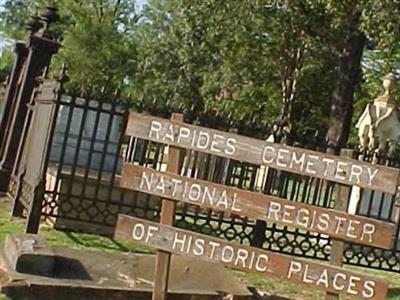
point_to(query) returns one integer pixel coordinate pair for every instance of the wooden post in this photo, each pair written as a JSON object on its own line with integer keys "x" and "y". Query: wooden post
{"x": 336, "y": 257}
{"x": 163, "y": 258}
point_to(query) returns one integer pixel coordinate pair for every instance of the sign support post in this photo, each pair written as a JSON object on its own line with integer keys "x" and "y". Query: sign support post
{"x": 336, "y": 257}
{"x": 163, "y": 258}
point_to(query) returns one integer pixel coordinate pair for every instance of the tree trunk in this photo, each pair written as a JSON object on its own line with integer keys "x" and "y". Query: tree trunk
{"x": 349, "y": 67}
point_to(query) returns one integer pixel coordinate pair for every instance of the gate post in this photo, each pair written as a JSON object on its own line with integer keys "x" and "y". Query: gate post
{"x": 31, "y": 176}
{"x": 32, "y": 60}
{"x": 6, "y": 113}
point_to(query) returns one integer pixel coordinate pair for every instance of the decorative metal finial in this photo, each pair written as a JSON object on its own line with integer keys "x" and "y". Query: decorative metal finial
{"x": 33, "y": 24}
{"x": 49, "y": 15}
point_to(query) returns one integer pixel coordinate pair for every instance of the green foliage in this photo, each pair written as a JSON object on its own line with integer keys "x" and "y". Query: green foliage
{"x": 98, "y": 46}
{"x": 223, "y": 63}
{"x": 96, "y": 36}
{"x": 13, "y": 17}
{"x": 233, "y": 60}
{"x": 6, "y": 61}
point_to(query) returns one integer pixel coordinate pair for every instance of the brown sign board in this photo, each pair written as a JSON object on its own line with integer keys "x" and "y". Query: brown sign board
{"x": 246, "y": 258}
{"x": 315, "y": 164}
{"x": 337, "y": 224}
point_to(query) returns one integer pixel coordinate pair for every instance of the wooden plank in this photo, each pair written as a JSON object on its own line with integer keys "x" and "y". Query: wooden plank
{"x": 163, "y": 258}
{"x": 337, "y": 224}
{"x": 311, "y": 163}
{"x": 250, "y": 259}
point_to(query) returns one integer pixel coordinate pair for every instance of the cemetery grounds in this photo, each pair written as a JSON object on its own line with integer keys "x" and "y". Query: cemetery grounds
{"x": 269, "y": 288}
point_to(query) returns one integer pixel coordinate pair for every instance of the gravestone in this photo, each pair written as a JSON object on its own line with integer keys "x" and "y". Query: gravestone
{"x": 378, "y": 125}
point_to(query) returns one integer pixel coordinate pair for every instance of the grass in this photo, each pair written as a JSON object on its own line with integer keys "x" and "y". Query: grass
{"x": 271, "y": 286}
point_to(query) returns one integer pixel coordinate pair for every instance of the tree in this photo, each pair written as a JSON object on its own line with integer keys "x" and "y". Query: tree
{"x": 230, "y": 61}
{"x": 13, "y": 17}
{"x": 97, "y": 41}
{"x": 358, "y": 21}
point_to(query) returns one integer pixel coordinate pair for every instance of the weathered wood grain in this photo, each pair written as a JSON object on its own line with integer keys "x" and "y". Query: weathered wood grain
{"x": 326, "y": 166}
{"x": 250, "y": 259}
{"x": 337, "y": 224}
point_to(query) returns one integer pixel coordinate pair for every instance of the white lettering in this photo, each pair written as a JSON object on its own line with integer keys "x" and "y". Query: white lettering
{"x": 340, "y": 172}
{"x": 323, "y": 278}
{"x": 280, "y": 161}
{"x": 305, "y": 219}
{"x": 310, "y": 164}
{"x": 170, "y": 133}
{"x": 175, "y": 182}
{"x": 214, "y": 143}
{"x": 298, "y": 161}
{"x": 258, "y": 265}
{"x": 208, "y": 194}
{"x": 352, "y": 284}
{"x": 151, "y": 229}
{"x": 138, "y": 232}
{"x": 295, "y": 267}
{"x": 194, "y": 192}
{"x": 234, "y": 207}
{"x": 328, "y": 162}
{"x": 286, "y": 214}
{"x": 274, "y": 208}
{"x": 160, "y": 185}
{"x": 223, "y": 200}
{"x": 145, "y": 179}
{"x": 198, "y": 247}
{"x": 335, "y": 284}
{"x": 372, "y": 175}
{"x": 268, "y": 158}
{"x": 351, "y": 229}
{"x": 368, "y": 230}
{"x": 227, "y": 250}
{"x": 179, "y": 241}
{"x": 203, "y": 137}
{"x": 213, "y": 246}
{"x": 183, "y": 133}
{"x": 305, "y": 278}
{"x": 369, "y": 289}
{"x": 323, "y": 222}
{"x": 230, "y": 143}
{"x": 241, "y": 255}
{"x": 155, "y": 129}
{"x": 355, "y": 171}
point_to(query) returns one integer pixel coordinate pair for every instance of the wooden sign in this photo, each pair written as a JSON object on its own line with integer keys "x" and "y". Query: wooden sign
{"x": 337, "y": 224}
{"x": 311, "y": 163}
{"x": 325, "y": 277}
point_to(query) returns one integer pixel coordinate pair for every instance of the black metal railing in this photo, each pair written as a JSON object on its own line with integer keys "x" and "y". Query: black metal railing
{"x": 83, "y": 193}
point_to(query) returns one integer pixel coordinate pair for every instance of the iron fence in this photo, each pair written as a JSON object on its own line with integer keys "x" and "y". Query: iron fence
{"x": 83, "y": 194}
